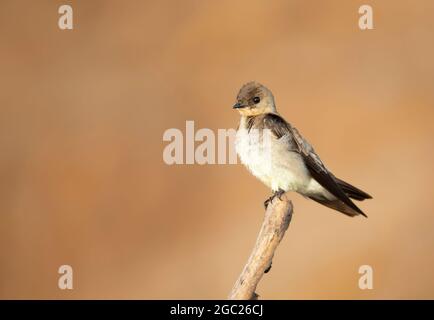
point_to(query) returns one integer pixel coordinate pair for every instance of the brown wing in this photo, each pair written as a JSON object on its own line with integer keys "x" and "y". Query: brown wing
{"x": 316, "y": 168}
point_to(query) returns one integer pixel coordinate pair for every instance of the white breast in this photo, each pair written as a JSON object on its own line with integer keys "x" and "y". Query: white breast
{"x": 271, "y": 160}
{"x": 254, "y": 153}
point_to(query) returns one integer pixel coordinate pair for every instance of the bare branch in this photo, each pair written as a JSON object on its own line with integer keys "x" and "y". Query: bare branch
{"x": 276, "y": 221}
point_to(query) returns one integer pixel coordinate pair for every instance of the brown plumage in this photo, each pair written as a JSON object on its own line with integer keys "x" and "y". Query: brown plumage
{"x": 294, "y": 164}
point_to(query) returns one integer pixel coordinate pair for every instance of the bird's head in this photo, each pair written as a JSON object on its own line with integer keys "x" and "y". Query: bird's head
{"x": 254, "y": 99}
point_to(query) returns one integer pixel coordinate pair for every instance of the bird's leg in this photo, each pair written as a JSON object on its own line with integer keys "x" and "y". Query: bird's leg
{"x": 278, "y": 194}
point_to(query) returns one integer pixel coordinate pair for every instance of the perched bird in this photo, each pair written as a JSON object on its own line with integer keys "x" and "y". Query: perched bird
{"x": 275, "y": 152}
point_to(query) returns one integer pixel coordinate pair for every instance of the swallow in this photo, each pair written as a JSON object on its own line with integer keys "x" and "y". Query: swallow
{"x": 278, "y": 155}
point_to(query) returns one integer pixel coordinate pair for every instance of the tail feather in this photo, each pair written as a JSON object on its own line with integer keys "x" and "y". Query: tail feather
{"x": 338, "y": 205}
{"x": 342, "y": 206}
{"x": 352, "y": 191}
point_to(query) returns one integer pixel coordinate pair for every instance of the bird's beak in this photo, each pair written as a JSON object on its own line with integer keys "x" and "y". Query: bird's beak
{"x": 238, "y": 105}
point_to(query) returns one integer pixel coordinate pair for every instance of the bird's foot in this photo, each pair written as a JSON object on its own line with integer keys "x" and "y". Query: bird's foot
{"x": 267, "y": 202}
{"x": 279, "y": 193}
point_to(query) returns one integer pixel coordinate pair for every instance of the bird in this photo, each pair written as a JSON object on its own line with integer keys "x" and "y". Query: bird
{"x": 277, "y": 154}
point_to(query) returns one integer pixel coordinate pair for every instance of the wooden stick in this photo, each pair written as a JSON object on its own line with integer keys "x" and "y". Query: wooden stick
{"x": 276, "y": 221}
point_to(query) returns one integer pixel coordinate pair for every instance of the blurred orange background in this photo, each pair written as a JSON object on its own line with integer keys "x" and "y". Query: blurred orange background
{"x": 82, "y": 116}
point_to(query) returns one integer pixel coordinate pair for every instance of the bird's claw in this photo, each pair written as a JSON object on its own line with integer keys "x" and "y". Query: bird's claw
{"x": 278, "y": 194}
{"x": 267, "y": 202}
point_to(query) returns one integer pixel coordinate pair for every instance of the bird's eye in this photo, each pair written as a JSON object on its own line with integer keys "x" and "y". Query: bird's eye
{"x": 256, "y": 100}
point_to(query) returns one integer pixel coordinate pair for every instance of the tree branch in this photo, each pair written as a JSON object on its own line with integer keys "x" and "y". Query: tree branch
{"x": 276, "y": 221}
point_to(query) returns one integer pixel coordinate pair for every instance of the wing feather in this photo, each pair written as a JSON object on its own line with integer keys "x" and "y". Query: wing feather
{"x": 316, "y": 167}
